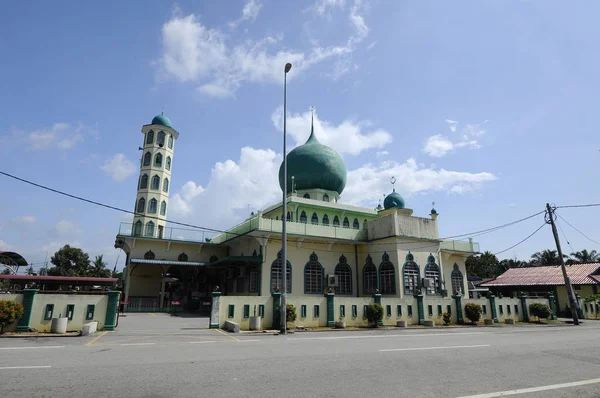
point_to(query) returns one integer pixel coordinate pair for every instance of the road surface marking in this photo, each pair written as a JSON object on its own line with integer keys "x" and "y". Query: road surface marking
{"x": 25, "y": 367}
{"x": 247, "y": 341}
{"x": 201, "y": 342}
{"x": 32, "y": 348}
{"x": 435, "y": 348}
{"x": 225, "y": 334}
{"x": 382, "y": 336}
{"x": 534, "y": 389}
{"x": 138, "y": 344}
{"x": 151, "y": 314}
{"x": 96, "y": 338}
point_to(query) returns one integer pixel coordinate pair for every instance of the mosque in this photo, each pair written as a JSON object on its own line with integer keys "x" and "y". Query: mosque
{"x": 332, "y": 247}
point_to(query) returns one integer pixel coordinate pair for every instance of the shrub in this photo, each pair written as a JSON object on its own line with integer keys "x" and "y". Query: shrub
{"x": 447, "y": 318}
{"x": 540, "y": 310}
{"x": 473, "y": 312}
{"x": 10, "y": 311}
{"x": 374, "y": 314}
{"x": 290, "y": 313}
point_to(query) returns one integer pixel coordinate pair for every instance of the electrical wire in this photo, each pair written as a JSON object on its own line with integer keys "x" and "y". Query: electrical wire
{"x": 517, "y": 244}
{"x": 574, "y": 206}
{"x": 565, "y": 236}
{"x": 570, "y": 225}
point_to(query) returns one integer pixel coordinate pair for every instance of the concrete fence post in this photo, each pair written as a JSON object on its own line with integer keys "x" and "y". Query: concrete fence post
{"x": 330, "y": 309}
{"x": 377, "y": 298}
{"x": 459, "y": 309}
{"x": 28, "y": 299}
{"x": 215, "y": 308}
{"x": 110, "y": 322}
{"x": 524, "y": 308}
{"x": 420, "y": 309}
{"x": 493, "y": 308}
{"x": 276, "y": 312}
{"x": 552, "y": 306}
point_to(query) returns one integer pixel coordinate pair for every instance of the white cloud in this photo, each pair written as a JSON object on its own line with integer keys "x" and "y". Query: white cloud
{"x": 372, "y": 45}
{"x": 348, "y": 137}
{"x": 438, "y": 145}
{"x": 24, "y": 220}
{"x": 323, "y": 6}
{"x": 5, "y": 246}
{"x": 249, "y": 12}
{"x": 60, "y": 135}
{"x": 380, "y": 154}
{"x": 358, "y": 21}
{"x": 65, "y": 228}
{"x": 118, "y": 167}
{"x": 452, "y": 124}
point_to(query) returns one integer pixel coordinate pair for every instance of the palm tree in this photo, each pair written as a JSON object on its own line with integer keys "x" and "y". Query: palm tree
{"x": 99, "y": 268}
{"x": 546, "y": 257}
{"x": 584, "y": 257}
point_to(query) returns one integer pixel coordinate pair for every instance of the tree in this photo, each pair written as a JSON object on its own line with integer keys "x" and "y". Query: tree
{"x": 594, "y": 301}
{"x": 10, "y": 311}
{"x": 485, "y": 266}
{"x": 70, "y": 261}
{"x": 99, "y": 268}
{"x": 584, "y": 257}
{"x": 544, "y": 258}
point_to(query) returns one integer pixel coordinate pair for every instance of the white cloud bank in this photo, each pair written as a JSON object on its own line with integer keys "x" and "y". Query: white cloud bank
{"x": 118, "y": 167}
{"x": 438, "y": 146}
{"x": 60, "y": 136}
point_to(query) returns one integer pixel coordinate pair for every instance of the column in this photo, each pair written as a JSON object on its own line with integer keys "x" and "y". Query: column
{"x": 28, "y": 298}
{"x": 330, "y": 310}
{"x": 214, "y": 310}
{"x": 524, "y": 307}
{"x": 110, "y": 322}
{"x": 421, "y": 309}
{"x": 162, "y": 294}
{"x": 459, "y": 310}
{"x": 377, "y": 298}
{"x": 552, "y": 306}
{"x": 276, "y": 311}
{"x": 493, "y": 308}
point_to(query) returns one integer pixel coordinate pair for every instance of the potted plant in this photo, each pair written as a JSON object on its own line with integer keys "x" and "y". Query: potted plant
{"x": 340, "y": 324}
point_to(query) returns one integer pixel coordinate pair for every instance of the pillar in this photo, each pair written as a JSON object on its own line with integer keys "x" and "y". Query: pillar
{"x": 330, "y": 310}
{"x": 552, "y": 306}
{"x": 162, "y": 294}
{"x": 214, "y": 310}
{"x": 459, "y": 310}
{"x": 110, "y": 322}
{"x": 421, "y": 309}
{"x": 377, "y": 298}
{"x": 524, "y": 307}
{"x": 276, "y": 312}
{"x": 28, "y": 299}
{"x": 493, "y": 308}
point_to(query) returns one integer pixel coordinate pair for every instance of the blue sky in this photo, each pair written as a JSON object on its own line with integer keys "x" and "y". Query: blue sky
{"x": 486, "y": 108}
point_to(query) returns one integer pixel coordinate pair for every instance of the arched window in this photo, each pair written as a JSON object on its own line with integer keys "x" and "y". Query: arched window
{"x": 325, "y": 198}
{"x": 457, "y": 281}
{"x": 289, "y": 216}
{"x": 369, "y": 277}
{"x": 152, "y": 205}
{"x": 170, "y": 141}
{"x": 432, "y": 272}
{"x": 150, "y": 137}
{"x": 314, "y": 219}
{"x": 163, "y": 208}
{"x": 182, "y": 257}
{"x": 147, "y": 159}
{"x": 336, "y": 221}
{"x": 276, "y": 275}
{"x": 149, "y": 228}
{"x": 158, "y": 160}
{"x": 410, "y": 272}
{"x": 325, "y": 220}
{"x": 344, "y": 276}
{"x": 144, "y": 181}
{"x": 387, "y": 275}
{"x": 168, "y": 163}
{"x": 149, "y": 255}
{"x": 166, "y": 185}
{"x": 161, "y": 139}
{"x": 303, "y": 217}
{"x": 306, "y": 196}
{"x": 355, "y": 224}
{"x": 155, "y": 182}
{"x": 137, "y": 230}
{"x": 313, "y": 276}
{"x": 346, "y": 223}
{"x": 141, "y": 206}
{"x": 253, "y": 279}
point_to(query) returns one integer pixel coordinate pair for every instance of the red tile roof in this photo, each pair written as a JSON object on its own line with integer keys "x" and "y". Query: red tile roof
{"x": 73, "y": 279}
{"x": 551, "y": 275}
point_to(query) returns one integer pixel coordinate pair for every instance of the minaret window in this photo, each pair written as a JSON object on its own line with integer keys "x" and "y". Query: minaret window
{"x": 170, "y": 141}
{"x": 303, "y": 217}
{"x": 137, "y": 230}
{"x": 141, "y": 207}
{"x": 325, "y": 220}
{"x": 155, "y": 182}
{"x": 346, "y": 223}
{"x": 325, "y": 198}
{"x": 158, "y": 160}
{"x": 306, "y": 196}
{"x": 387, "y": 276}
{"x": 369, "y": 277}
{"x": 163, "y": 208}
{"x": 289, "y": 216}
{"x": 168, "y": 163}
{"x": 150, "y": 228}
{"x": 147, "y": 159}
{"x": 355, "y": 224}
{"x": 144, "y": 181}
{"x": 411, "y": 275}
{"x": 314, "y": 219}
{"x": 313, "y": 276}
{"x": 457, "y": 280}
{"x": 344, "y": 277}
{"x": 161, "y": 139}
{"x": 336, "y": 221}
{"x": 150, "y": 137}
{"x": 152, "y": 206}
{"x": 166, "y": 185}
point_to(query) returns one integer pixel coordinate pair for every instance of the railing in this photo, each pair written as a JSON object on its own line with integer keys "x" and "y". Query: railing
{"x": 170, "y": 233}
{"x": 460, "y": 246}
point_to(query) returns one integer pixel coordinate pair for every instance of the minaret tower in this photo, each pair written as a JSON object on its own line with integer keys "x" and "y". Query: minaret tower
{"x": 152, "y": 200}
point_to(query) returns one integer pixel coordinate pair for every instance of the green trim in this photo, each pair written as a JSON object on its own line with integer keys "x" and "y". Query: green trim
{"x": 237, "y": 259}
{"x": 343, "y": 311}
{"x": 409, "y": 310}
{"x": 354, "y": 311}
{"x": 70, "y": 311}
{"x": 246, "y": 310}
{"x": 89, "y": 313}
{"x": 111, "y": 310}
{"x": 231, "y": 311}
{"x": 459, "y": 312}
{"x": 508, "y": 312}
{"x": 365, "y": 311}
{"x": 330, "y": 309}
{"x": 276, "y": 314}
{"x": 316, "y": 311}
{"x": 377, "y": 298}
{"x": 28, "y": 299}
{"x": 388, "y": 310}
{"x": 553, "y": 306}
{"x": 439, "y": 308}
{"x": 430, "y": 310}
{"x": 420, "y": 309}
{"x": 484, "y": 309}
{"x": 500, "y": 310}
{"x": 399, "y": 310}
{"x": 48, "y": 312}
{"x": 261, "y": 310}
{"x": 516, "y": 309}
{"x": 303, "y": 311}
{"x": 493, "y": 308}
{"x": 449, "y": 309}
{"x": 524, "y": 306}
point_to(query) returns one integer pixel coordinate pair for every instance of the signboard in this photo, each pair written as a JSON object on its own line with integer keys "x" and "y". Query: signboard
{"x": 175, "y": 302}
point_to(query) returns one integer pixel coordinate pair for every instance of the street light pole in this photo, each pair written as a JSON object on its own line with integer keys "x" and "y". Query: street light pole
{"x": 287, "y": 68}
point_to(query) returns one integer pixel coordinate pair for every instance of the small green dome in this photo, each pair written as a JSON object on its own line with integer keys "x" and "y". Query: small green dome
{"x": 161, "y": 120}
{"x": 393, "y": 200}
{"x": 314, "y": 166}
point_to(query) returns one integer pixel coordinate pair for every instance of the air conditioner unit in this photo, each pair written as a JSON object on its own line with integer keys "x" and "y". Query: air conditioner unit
{"x": 242, "y": 272}
{"x": 332, "y": 281}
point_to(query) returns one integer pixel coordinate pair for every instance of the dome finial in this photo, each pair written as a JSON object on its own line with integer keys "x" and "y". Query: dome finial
{"x": 312, "y": 124}
{"x": 393, "y": 181}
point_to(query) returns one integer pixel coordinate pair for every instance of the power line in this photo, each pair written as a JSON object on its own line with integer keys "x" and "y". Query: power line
{"x": 515, "y": 245}
{"x": 573, "y": 206}
{"x": 587, "y": 237}
{"x": 565, "y": 236}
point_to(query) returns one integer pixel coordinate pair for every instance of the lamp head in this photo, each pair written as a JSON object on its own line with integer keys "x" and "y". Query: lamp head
{"x": 288, "y": 66}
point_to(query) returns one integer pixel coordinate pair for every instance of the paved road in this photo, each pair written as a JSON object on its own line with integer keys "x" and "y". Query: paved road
{"x": 182, "y": 361}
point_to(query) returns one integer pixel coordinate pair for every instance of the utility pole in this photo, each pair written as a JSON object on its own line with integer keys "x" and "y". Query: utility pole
{"x": 570, "y": 291}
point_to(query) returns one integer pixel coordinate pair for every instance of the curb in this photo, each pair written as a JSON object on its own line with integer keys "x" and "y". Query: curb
{"x": 40, "y": 336}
